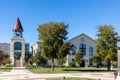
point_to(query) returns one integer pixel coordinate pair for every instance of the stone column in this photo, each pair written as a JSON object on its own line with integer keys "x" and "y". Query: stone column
{"x": 12, "y": 52}
{"x": 23, "y": 53}
{"x": 86, "y": 63}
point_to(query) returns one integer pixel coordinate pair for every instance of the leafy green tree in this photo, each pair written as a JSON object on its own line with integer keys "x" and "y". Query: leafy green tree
{"x": 53, "y": 41}
{"x": 79, "y": 57}
{"x": 106, "y": 44}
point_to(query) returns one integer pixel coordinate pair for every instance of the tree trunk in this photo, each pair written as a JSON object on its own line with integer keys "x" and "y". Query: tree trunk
{"x": 52, "y": 65}
{"x": 108, "y": 64}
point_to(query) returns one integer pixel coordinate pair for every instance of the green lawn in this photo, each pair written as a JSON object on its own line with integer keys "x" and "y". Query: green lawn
{"x": 5, "y": 69}
{"x": 67, "y": 70}
{"x": 70, "y": 79}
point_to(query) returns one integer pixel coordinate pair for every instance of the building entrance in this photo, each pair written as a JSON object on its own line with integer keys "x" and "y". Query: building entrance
{"x": 17, "y": 59}
{"x": 17, "y": 63}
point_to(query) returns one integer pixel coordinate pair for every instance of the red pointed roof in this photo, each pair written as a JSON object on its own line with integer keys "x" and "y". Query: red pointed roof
{"x": 18, "y": 26}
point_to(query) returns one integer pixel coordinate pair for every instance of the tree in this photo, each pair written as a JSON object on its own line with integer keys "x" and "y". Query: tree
{"x": 53, "y": 41}
{"x": 1, "y": 55}
{"x": 79, "y": 57}
{"x": 4, "y": 58}
{"x": 106, "y": 44}
{"x": 6, "y": 61}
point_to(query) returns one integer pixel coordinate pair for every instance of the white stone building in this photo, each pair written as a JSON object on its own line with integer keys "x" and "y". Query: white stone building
{"x": 84, "y": 44}
{"x": 35, "y": 48}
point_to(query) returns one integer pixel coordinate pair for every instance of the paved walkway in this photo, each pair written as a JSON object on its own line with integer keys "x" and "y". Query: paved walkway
{"x": 24, "y": 74}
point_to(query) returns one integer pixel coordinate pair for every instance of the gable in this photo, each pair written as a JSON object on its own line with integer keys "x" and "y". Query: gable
{"x": 82, "y": 37}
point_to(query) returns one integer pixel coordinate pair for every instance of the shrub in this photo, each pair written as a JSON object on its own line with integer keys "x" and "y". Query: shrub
{"x": 8, "y": 65}
{"x": 6, "y": 61}
{"x": 72, "y": 64}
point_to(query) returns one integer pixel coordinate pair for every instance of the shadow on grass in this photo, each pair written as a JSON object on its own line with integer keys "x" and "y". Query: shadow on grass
{"x": 87, "y": 70}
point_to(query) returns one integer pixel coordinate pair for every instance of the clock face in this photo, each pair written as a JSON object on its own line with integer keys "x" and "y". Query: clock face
{"x": 18, "y": 33}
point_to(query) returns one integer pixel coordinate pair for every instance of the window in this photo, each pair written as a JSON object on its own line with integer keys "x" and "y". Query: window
{"x": 83, "y": 48}
{"x": 73, "y": 50}
{"x": 26, "y": 47}
{"x": 91, "y": 51}
{"x": 17, "y": 46}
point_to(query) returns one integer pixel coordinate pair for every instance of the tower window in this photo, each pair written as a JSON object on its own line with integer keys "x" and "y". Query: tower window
{"x": 17, "y": 46}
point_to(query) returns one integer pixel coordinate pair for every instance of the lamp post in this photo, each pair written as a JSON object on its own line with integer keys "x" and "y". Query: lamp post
{"x": 118, "y": 46}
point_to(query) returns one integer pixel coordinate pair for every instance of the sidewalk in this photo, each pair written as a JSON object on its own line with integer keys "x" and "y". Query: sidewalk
{"x": 24, "y": 74}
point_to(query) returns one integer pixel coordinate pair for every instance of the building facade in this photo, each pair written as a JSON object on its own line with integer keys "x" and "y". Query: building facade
{"x": 84, "y": 44}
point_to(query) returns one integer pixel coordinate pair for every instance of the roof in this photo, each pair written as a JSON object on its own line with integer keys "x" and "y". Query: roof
{"x": 18, "y": 26}
{"x": 81, "y": 35}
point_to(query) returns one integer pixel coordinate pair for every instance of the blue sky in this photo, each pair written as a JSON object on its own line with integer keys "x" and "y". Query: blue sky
{"x": 83, "y": 16}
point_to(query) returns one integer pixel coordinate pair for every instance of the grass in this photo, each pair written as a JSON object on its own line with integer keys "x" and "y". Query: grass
{"x": 70, "y": 79}
{"x": 5, "y": 69}
{"x": 67, "y": 70}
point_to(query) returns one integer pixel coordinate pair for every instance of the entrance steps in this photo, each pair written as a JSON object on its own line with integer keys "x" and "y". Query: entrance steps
{"x": 20, "y": 70}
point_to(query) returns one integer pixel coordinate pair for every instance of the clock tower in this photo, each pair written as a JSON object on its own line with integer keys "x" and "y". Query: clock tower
{"x": 17, "y": 46}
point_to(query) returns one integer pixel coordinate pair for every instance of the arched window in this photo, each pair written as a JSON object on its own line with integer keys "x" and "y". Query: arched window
{"x": 73, "y": 50}
{"x": 17, "y": 46}
{"x": 90, "y": 51}
{"x": 83, "y": 48}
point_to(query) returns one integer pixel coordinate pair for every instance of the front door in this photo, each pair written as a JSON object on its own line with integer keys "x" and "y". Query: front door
{"x": 17, "y": 56}
{"x": 17, "y": 63}
{"x": 82, "y": 64}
